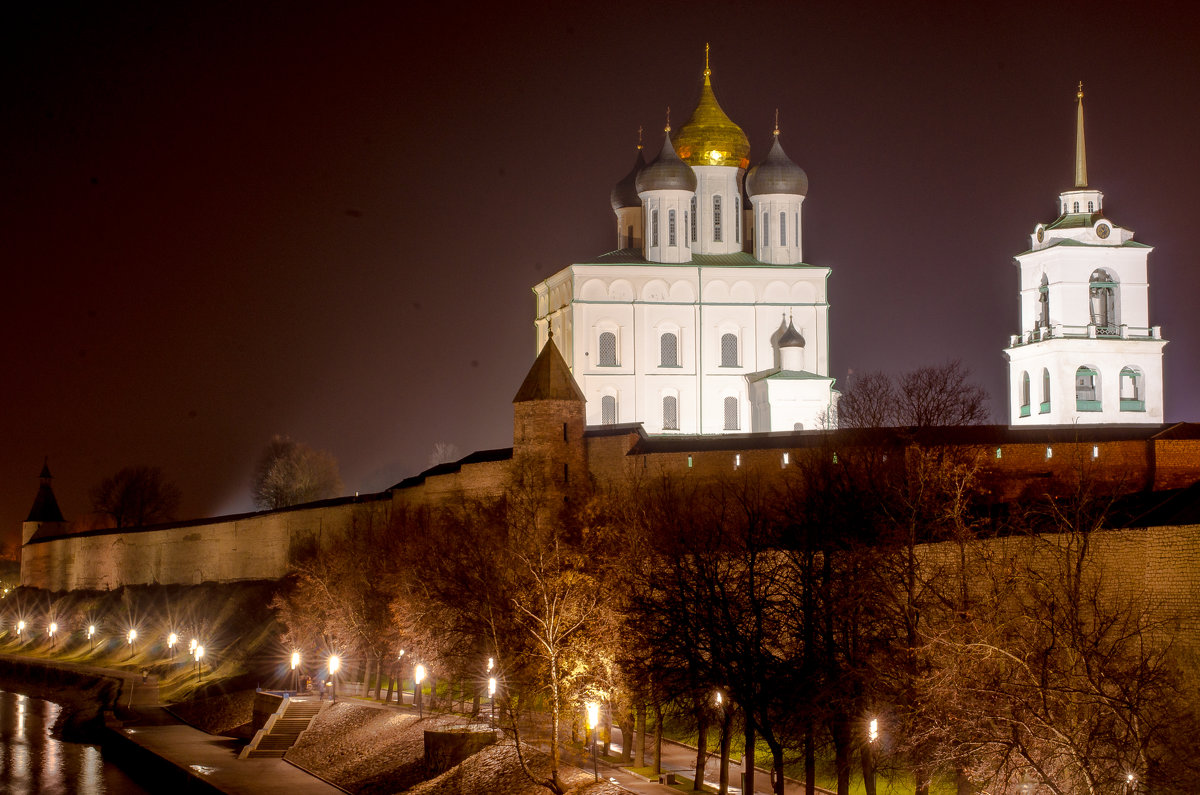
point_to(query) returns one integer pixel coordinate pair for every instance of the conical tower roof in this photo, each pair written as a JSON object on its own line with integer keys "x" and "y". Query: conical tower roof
{"x": 709, "y": 137}
{"x": 45, "y": 506}
{"x": 549, "y": 378}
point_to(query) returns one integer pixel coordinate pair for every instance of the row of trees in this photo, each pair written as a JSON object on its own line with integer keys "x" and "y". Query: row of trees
{"x": 990, "y": 645}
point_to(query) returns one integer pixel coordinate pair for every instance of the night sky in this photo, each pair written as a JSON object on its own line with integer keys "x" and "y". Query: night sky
{"x": 228, "y": 220}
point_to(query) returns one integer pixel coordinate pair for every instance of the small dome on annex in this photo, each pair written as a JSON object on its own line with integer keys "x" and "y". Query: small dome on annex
{"x": 776, "y": 175}
{"x": 624, "y": 193}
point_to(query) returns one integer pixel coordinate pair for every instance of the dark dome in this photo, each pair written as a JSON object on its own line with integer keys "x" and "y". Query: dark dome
{"x": 791, "y": 338}
{"x": 667, "y": 172}
{"x": 624, "y": 193}
{"x": 777, "y": 174}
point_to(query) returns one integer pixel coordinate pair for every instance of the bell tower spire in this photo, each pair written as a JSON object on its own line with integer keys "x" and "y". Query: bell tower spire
{"x": 1080, "y": 150}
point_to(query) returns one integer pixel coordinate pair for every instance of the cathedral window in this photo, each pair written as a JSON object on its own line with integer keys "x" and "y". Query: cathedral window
{"x": 1133, "y": 397}
{"x": 671, "y": 228}
{"x": 1103, "y": 303}
{"x": 608, "y": 410}
{"x": 608, "y": 349}
{"x": 737, "y": 219}
{"x": 1024, "y": 394}
{"x": 796, "y": 227}
{"x": 670, "y": 413}
{"x": 729, "y": 350}
{"x": 716, "y": 219}
{"x": 654, "y": 227}
{"x": 668, "y": 350}
{"x": 1076, "y": 207}
{"x": 1045, "y": 407}
{"x": 693, "y": 219}
{"x": 685, "y": 224}
{"x": 783, "y": 229}
{"x": 1087, "y": 389}
{"x": 765, "y": 235}
{"x": 1091, "y": 207}
{"x": 731, "y": 414}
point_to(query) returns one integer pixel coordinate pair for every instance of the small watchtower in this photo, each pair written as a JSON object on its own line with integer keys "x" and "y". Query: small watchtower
{"x": 548, "y": 419}
{"x": 45, "y": 512}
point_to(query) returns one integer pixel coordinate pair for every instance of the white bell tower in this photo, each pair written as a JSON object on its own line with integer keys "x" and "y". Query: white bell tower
{"x": 1087, "y": 352}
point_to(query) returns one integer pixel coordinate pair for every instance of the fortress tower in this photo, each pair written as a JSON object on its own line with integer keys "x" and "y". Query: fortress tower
{"x": 1087, "y": 352}
{"x": 699, "y": 322}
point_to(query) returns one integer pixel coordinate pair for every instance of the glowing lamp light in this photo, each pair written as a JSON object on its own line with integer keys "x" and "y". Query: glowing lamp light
{"x": 91, "y": 631}
{"x": 53, "y": 628}
{"x": 172, "y": 639}
{"x": 720, "y": 698}
{"x": 192, "y": 647}
{"x": 419, "y": 673}
{"x": 491, "y": 664}
{"x": 873, "y": 730}
{"x": 593, "y": 714}
{"x": 20, "y": 627}
{"x": 295, "y": 660}
{"x": 335, "y": 663}
{"x": 401, "y": 657}
{"x": 132, "y": 636}
{"x": 492, "y": 687}
{"x": 199, "y": 653}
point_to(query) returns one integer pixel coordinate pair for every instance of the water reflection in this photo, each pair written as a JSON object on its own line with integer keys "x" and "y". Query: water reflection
{"x": 33, "y": 761}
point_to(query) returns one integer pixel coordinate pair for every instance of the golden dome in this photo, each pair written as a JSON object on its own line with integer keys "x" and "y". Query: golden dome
{"x": 710, "y": 138}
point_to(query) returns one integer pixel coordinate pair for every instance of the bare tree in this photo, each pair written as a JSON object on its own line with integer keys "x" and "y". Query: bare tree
{"x": 925, "y": 397}
{"x": 136, "y": 496}
{"x": 444, "y": 453}
{"x": 291, "y": 473}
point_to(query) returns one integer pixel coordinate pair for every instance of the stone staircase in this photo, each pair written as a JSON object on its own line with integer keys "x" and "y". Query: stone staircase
{"x": 282, "y": 728}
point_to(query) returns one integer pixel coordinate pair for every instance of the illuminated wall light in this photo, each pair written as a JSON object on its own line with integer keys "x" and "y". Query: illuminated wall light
{"x": 999, "y": 453}
{"x": 1049, "y": 453}
{"x": 737, "y": 460}
{"x": 1095, "y": 451}
{"x": 787, "y": 459}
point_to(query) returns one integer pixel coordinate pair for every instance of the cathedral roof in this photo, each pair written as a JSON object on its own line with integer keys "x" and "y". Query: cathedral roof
{"x": 624, "y": 193}
{"x": 777, "y": 174}
{"x": 667, "y": 172}
{"x": 709, "y": 137}
{"x": 633, "y": 256}
{"x": 549, "y": 378}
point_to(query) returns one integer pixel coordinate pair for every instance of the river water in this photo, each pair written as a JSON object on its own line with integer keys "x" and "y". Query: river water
{"x": 33, "y": 761}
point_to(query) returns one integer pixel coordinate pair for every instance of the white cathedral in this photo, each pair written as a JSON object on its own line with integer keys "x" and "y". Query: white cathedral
{"x": 1087, "y": 353}
{"x": 705, "y": 319}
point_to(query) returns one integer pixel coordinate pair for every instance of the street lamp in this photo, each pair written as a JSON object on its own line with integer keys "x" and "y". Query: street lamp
{"x": 172, "y": 639}
{"x": 295, "y": 675}
{"x": 418, "y": 678}
{"x": 872, "y": 738}
{"x": 199, "y": 654}
{"x": 593, "y": 718}
{"x": 20, "y": 628}
{"x": 92, "y": 635}
{"x": 335, "y": 663}
{"x": 53, "y": 628}
{"x": 492, "y": 696}
{"x": 132, "y": 637}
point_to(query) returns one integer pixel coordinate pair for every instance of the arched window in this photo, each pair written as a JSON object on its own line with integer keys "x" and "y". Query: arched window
{"x": 1091, "y": 207}
{"x": 608, "y": 350}
{"x": 670, "y": 418}
{"x": 731, "y": 414}
{"x": 1024, "y": 394}
{"x": 783, "y": 229}
{"x": 668, "y": 350}
{"x": 685, "y": 223}
{"x": 608, "y": 410}
{"x": 671, "y": 228}
{"x": 1087, "y": 389}
{"x": 654, "y": 227}
{"x": 1103, "y": 303}
{"x": 796, "y": 227}
{"x": 1076, "y": 207}
{"x": 716, "y": 219}
{"x": 1044, "y": 303}
{"x": 765, "y": 234}
{"x": 1045, "y": 407}
{"x": 693, "y": 219}
{"x": 729, "y": 350}
{"x": 1133, "y": 396}
{"x": 737, "y": 219}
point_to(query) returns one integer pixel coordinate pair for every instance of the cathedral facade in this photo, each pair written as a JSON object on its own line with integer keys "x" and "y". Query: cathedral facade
{"x": 705, "y": 319}
{"x": 1087, "y": 352}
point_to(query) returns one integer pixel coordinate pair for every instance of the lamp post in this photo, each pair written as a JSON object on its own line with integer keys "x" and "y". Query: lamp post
{"x": 92, "y": 636}
{"x": 593, "y": 719}
{"x": 172, "y": 639}
{"x": 199, "y": 655}
{"x": 20, "y": 628}
{"x": 872, "y": 740}
{"x": 400, "y": 676}
{"x": 295, "y": 674}
{"x": 492, "y": 696}
{"x": 335, "y": 663}
{"x": 132, "y": 636}
{"x": 418, "y": 678}
{"x": 52, "y": 629}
